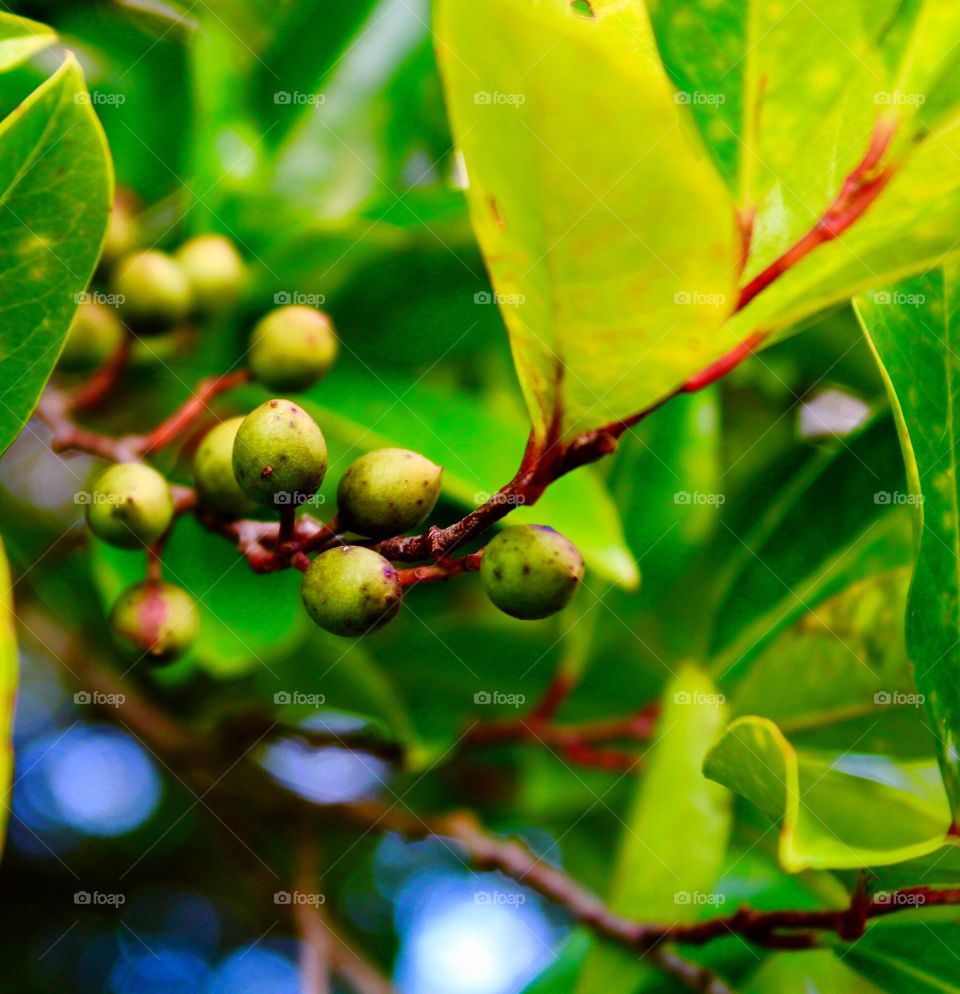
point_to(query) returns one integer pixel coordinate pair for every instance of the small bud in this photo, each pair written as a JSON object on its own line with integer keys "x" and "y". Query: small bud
{"x": 154, "y": 290}
{"x": 351, "y": 590}
{"x": 531, "y": 571}
{"x": 131, "y": 505}
{"x": 292, "y": 347}
{"x": 154, "y": 620}
{"x": 95, "y": 334}
{"x": 279, "y": 454}
{"x": 213, "y": 470}
{"x": 387, "y": 492}
{"x": 215, "y": 272}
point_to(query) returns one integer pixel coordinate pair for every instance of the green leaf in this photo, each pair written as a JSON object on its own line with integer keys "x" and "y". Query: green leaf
{"x": 56, "y": 179}
{"x": 784, "y": 96}
{"x": 833, "y": 811}
{"x": 914, "y": 332}
{"x": 807, "y": 972}
{"x": 8, "y": 686}
{"x": 20, "y": 38}
{"x": 835, "y": 524}
{"x": 675, "y": 835}
{"x": 573, "y": 146}
{"x": 908, "y": 958}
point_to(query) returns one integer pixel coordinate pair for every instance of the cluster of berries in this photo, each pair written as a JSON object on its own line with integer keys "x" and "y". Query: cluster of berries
{"x": 276, "y": 457}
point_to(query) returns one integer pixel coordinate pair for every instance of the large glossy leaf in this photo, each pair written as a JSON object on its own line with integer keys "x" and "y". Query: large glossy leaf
{"x": 56, "y": 184}
{"x": 607, "y": 231}
{"x": 8, "y": 686}
{"x": 813, "y": 972}
{"x": 675, "y": 835}
{"x": 914, "y": 331}
{"x": 908, "y": 958}
{"x": 834, "y": 525}
{"x": 783, "y": 95}
{"x": 20, "y": 38}
{"x": 833, "y": 811}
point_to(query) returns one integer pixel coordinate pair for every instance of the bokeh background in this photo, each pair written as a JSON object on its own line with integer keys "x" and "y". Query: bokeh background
{"x": 314, "y": 135}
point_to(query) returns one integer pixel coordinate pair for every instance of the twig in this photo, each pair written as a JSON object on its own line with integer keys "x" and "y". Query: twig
{"x": 103, "y": 382}
{"x": 441, "y": 572}
{"x": 315, "y": 946}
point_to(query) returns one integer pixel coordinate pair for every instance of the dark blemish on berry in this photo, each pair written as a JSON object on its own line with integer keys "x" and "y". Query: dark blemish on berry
{"x": 267, "y": 471}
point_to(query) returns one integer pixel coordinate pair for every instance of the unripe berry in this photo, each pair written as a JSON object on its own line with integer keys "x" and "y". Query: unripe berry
{"x": 154, "y": 289}
{"x": 214, "y": 270}
{"x": 292, "y": 347}
{"x": 123, "y": 231}
{"x": 387, "y": 492}
{"x": 95, "y": 334}
{"x": 156, "y": 620}
{"x": 530, "y": 571}
{"x": 213, "y": 470}
{"x": 131, "y": 505}
{"x": 279, "y": 454}
{"x": 351, "y": 590}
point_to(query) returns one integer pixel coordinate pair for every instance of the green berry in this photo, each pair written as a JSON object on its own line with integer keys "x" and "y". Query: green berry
{"x": 213, "y": 470}
{"x": 95, "y": 334}
{"x": 279, "y": 454}
{"x": 351, "y": 590}
{"x": 123, "y": 231}
{"x": 130, "y": 505}
{"x": 530, "y": 571}
{"x": 215, "y": 272}
{"x": 156, "y": 620}
{"x": 387, "y": 492}
{"x": 154, "y": 289}
{"x": 292, "y": 347}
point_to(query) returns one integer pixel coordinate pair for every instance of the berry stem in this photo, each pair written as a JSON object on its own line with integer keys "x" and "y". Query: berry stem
{"x": 104, "y": 381}
{"x": 441, "y": 572}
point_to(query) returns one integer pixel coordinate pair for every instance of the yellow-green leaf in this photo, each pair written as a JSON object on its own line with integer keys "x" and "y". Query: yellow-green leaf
{"x": 8, "y": 686}
{"x": 20, "y": 38}
{"x": 610, "y": 238}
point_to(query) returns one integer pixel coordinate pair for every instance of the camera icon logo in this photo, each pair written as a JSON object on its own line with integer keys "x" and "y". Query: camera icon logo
{"x": 282, "y": 297}
{"x": 483, "y": 297}
{"x": 82, "y": 897}
{"x": 82, "y": 697}
{"x": 282, "y": 97}
{"x": 482, "y": 97}
{"x": 282, "y": 697}
{"x": 282, "y": 897}
{"x": 482, "y": 697}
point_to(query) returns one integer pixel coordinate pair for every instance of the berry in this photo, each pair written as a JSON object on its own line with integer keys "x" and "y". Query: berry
{"x": 292, "y": 347}
{"x": 157, "y": 620}
{"x": 387, "y": 492}
{"x": 154, "y": 289}
{"x": 279, "y": 454}
{"x": 530, "y": 571}
{"x": 351, "y": 590}
{"x": 130, "y": 506}
{"x": 123, "y": 231}
{"x": 214, "y": 270}
{"x": 95, "y": 334}
{"x": 213, "y": 470}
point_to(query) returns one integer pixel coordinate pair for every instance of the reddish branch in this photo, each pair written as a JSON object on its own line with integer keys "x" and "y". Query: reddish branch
{"x": 441, "y": 572}
{"x": 103, "y": 382}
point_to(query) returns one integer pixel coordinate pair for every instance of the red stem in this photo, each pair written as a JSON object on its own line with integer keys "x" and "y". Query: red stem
{"x": 99, "y": 387}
